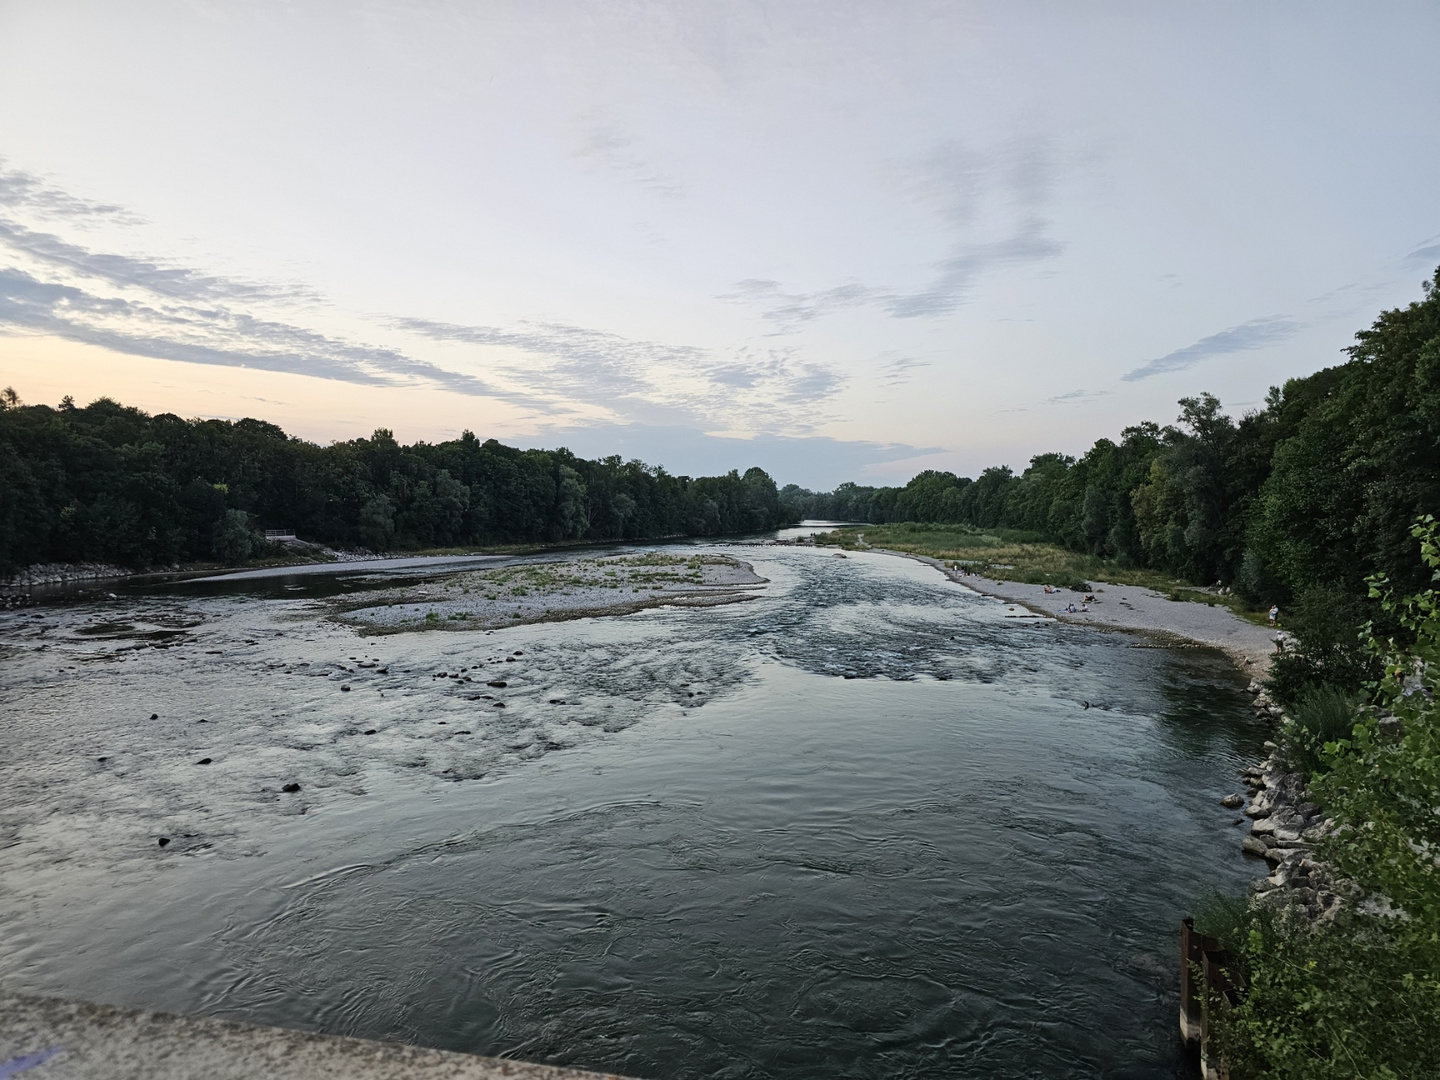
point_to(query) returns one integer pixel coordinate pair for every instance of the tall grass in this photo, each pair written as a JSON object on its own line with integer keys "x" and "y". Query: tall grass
{"x": 1321, "y": 715}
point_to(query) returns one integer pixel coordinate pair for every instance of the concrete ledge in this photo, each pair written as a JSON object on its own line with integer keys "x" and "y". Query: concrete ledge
{"x": 97, "y": 1042}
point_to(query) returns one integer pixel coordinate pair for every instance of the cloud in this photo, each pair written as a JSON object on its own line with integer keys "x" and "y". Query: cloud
{"x": 992, "y": 205}
{"x": 24, "y": 194}
{"x": 23, "y": 189}
{"x": 789, "y": 310}
{"x": 1075, "y": 397}
{"x": 124, "y": 271}
{"x": 644, "y": 380}
{"x": 209, "y": 336}
{"x": 613, "y": 149}
{"x": 968, "y": 264}
{"x": 817, "y": 462}
{"x": 897, "y": 371}
{"x": 1255, "y": 334}
{"x": 1427, "y": 254}
{"x": 52, "y": 284}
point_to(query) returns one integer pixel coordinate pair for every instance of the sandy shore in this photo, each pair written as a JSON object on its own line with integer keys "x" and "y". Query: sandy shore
{"x": 1129, "y": 607}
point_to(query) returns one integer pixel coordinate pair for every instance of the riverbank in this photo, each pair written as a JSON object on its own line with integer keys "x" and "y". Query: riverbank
{"x": 1130, "y": 607}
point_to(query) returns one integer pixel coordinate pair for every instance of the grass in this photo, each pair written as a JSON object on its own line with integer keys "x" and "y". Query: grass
{"x": 1322, "y": 715}
{"x": 1016, "y": 555}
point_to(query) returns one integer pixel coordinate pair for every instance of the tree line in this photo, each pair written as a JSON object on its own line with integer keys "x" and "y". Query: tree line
{"x": 1294, "y": 503}
{"x": 110, "y": 483}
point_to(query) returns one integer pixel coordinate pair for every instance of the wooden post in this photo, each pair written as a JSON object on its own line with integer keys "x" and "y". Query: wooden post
{"x": 1192, "y": 995}
{"x": 1209, "y": 984}
{"x": 1220, "y": 994}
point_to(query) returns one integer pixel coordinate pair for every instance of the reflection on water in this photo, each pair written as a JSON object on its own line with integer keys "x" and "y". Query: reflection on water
{"x": 863, "y": 826}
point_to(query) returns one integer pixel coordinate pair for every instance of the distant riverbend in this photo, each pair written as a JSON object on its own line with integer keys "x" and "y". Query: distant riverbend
{"x": 865, "y": 823}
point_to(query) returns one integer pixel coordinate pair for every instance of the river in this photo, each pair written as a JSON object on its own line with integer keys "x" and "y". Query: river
{"x": 868, "y": 824}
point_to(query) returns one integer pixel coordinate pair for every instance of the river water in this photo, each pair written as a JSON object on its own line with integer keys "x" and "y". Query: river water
{"x": 869, "y": 824}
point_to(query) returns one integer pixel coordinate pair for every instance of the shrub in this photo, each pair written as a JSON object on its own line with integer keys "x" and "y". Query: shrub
{"x": 1330, "y": 631}
{"x": 1352, "y": 998}
{"x": 1323, "y": 714}
{"x": 1359, "y": 996}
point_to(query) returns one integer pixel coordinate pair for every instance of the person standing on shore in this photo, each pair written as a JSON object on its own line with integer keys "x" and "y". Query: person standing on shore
{"x": 1274, "y": 614}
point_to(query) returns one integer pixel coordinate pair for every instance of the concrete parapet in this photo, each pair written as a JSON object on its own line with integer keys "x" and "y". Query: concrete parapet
{"x": 49, "y": 1039}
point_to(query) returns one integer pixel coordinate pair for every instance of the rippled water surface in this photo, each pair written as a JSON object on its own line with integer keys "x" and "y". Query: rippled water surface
{"x": 868, "y": 824}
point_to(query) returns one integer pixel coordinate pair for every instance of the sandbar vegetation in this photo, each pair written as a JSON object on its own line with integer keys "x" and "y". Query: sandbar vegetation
{"x": 554, "y": 589}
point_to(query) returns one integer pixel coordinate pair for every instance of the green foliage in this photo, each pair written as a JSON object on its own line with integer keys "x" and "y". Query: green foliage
{"x": 113, "y": 484}
{"x": 1351, "y": 998}
{"x": 1383, "y": 787}
{"x": 1322, "y": 715}
{"x": 1358, "y": 460}
{"x": 1329, "y": 628}
{"x": 1360, "y": 996}
{"x": 1224, "y": 917}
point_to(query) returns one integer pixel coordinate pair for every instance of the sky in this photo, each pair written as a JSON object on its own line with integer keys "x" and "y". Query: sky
{"x": 841, "y": 241}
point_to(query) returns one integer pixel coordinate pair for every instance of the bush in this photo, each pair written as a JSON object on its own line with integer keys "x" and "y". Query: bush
{"x": 234, "y": 538}
{"x": 1330, "y": 628}
{"x": 1323, "y": 714}
{"x": 1358, "y": 996}
{"x": 1353, "y": 998}
{"x": 1223, "y": 917}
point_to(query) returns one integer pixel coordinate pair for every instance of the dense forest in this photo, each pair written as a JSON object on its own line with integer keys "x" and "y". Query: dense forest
{"x": 1305, "y": 497}
{"x": 107, "y": 483}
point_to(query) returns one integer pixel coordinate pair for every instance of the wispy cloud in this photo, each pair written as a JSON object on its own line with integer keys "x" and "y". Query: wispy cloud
{"x": 54, "y": 284}
{"x": 1248, "y": 336}
{"x": 899, "y": 370}
{"x": 612, "y": 148}
{"x": 789, "y": 310}
{"x": 993, "y": 205}
{"x": 968, "y": 264}
{"x": 636, "y": 378}
{"x": 1426, "y": 254}
{"x": 125, "y": 271}
{"x": 1075, "y": 397}
{"x": 23, "y": 189}
{"x": 210, "y": 336}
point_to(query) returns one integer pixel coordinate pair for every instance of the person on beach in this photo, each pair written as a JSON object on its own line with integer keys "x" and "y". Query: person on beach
{"x": 1274, "y": 614}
